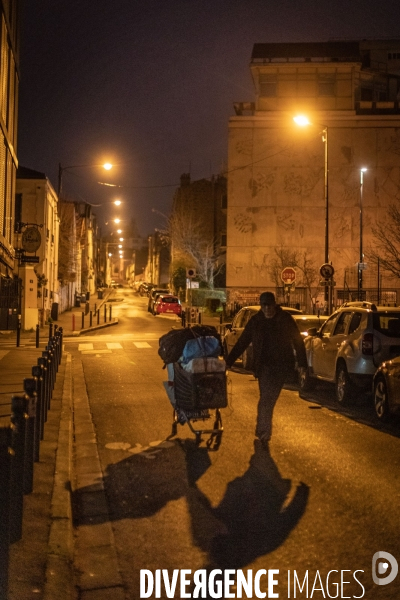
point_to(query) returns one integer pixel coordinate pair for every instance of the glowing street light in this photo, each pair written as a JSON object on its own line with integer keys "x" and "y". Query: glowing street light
{"x": 303, "y": 121}
{"x": 106, "y": 166}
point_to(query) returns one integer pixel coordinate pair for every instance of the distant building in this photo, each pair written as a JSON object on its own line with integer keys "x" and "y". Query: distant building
{"x": 37, "y": 219}
{"x": 277, "y": 209}
{"x": 198, "y": 228}
{"x": 10, "y": 287}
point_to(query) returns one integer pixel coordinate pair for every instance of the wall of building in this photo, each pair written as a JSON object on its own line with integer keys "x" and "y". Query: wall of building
{"x": 276, "y": 170}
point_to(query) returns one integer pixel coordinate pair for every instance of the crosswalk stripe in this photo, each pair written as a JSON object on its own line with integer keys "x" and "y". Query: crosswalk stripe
{"x": 141, "y": 345}
{"x": 113, "y": 345}
{"x": 85, "y": 347}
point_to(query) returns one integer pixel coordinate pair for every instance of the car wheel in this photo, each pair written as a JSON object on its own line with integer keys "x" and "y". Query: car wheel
{"x": 306, "y": 383}
{"x": 343, "y": 385}
{"x": 381, "y": 400}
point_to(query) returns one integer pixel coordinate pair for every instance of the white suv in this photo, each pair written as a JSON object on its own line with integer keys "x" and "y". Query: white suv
{"x": 350, "y": 346}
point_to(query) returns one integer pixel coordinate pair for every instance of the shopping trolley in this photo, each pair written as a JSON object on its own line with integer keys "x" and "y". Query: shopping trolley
{"x": 198, "y": 399}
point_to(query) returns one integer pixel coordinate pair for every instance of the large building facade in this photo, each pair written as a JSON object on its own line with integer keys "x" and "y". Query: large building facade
{"x": 9, "y": 82}
{"x": 297, "y": 196}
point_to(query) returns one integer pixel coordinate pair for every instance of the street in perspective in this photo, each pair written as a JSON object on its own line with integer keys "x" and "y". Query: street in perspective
{"x": 314, "y": 509}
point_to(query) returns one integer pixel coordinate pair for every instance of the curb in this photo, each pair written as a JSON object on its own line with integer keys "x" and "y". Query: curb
{"x": 94, "y": 327}
{"x": 59, "y": 569}
{"x": 95, "y": 559}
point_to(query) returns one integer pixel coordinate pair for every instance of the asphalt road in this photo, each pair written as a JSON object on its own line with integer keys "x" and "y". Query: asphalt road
{"x": 324, "y": 499}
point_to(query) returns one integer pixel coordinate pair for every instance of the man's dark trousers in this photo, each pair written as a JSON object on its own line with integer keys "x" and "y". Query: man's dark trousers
{"x": 270, "y": 382}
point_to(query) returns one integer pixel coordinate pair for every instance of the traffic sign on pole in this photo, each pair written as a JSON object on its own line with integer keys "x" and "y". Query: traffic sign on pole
{"x": 288, "y": 275}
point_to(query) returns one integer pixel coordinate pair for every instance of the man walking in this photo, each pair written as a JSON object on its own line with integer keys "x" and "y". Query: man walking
{"x": 275, "y": 338}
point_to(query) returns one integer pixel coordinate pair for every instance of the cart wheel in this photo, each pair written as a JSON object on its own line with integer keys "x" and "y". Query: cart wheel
{"x": 218, "y": 420}
{"x": 218, "y": 440}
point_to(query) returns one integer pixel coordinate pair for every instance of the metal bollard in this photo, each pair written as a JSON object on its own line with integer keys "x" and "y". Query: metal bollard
{"x": 30, "y": 391}
{"x": 90, "y": 318}
{"x": 18, "y": 419}
{"x": 50, "y": 330}
{"x": 61, "y": 334}
{"x": 19, "y": 331}
{"x": 83, "y": 320}
{"x": 39, "y": 421}
{"x": 110, "y": 312}
{"x": 105, "y": 313}
{"x": 98, "y": 317}
{"x": 73, "y": 322}
{"x": 37, "y": 335}
{"x": 183, "y": 318}
{"x": 6, "y": 460}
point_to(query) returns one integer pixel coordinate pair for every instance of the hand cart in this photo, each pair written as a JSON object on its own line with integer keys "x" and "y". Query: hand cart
{"x": 199, "y": 398}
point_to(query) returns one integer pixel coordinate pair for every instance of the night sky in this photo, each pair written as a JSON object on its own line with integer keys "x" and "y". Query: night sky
{"x": 150, "y": 85}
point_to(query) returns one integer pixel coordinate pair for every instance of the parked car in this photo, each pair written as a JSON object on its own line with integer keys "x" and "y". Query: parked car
{"x": 306, "y": 322}
{"x": 235, "y": 329}
{"x": 386, "y": 389}
{"x": 167, "y": 304}
{"x": 154, "y": 292}
{"x": 350, "y": 346}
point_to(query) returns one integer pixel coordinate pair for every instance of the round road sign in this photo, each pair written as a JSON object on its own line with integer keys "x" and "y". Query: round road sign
{"x": 288, "y": 275}
{"x": 327, "y": 271}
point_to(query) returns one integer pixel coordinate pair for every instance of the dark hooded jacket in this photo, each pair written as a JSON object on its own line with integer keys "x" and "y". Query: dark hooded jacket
{"x": 276, "y": 341}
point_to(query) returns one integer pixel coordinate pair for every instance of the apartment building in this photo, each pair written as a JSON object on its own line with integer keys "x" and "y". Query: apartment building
{"x": 10, "y": 287}
{"x": 297, "y": 196}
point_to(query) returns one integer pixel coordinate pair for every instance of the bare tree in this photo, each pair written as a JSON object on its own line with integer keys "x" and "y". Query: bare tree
{"x": 387, "y": 237}
{"x": 302, "y": 261}
{"x": 195, "y": 245}
{"x": 67, "y": 259}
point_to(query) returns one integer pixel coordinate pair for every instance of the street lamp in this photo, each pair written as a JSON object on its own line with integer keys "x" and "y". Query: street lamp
{"x": 303, "y": 121}
{"x": 361, "y": 261}
{"x": 106, "y": 166}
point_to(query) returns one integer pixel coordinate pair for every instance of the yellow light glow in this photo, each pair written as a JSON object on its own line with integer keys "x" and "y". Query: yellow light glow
{"x": 117, "y": 202}
{"x": 121, "y": 239}
{"x": 119, "y": 245}
{"x": 119, "y": 230}
{"x": 117, "y": 221}
{"x": 107, "y": 166}
{"x": 364, "y": 169}
{"x": 301, "y": 120}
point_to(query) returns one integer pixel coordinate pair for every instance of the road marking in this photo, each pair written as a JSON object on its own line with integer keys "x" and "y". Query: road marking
{"x": 96, "y": 352}
{"x": 85, "y": 347}
{"x": 141, "y": 345}
{"x": 113, "y": 345}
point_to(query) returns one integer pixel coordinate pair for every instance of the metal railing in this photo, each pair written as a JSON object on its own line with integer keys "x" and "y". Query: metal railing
{"x": 20, "y": 446}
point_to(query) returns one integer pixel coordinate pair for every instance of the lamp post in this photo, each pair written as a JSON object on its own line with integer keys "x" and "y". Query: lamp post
{"x": 361, "y": 260}
{"x": 106, "y": 166}
{"x": 303, "y": 121}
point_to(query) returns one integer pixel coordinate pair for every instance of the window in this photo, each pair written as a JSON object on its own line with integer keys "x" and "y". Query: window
{"x": 268, "y": 85}
{"x": 355, "y": 322}
{"x": 342, "y": 323}
{"x": 326, "y": 85}
{"x": 327, "y": 329}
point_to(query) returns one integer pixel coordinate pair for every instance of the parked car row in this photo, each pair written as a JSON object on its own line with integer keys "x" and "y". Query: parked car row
{"x": 356, "y": 348}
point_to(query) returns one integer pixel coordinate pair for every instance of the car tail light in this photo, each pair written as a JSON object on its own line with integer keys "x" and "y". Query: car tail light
{"x": 368, "y": 344}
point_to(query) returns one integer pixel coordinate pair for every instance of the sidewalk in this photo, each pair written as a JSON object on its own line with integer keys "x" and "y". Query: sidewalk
{"x": 41, "y": 563}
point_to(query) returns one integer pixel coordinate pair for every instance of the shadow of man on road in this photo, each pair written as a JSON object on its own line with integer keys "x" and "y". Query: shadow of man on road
{"x": 255, "y": 516}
